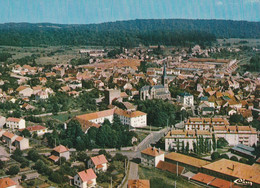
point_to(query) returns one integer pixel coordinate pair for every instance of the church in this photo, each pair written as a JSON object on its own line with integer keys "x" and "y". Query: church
{"x": 157, "y": 91}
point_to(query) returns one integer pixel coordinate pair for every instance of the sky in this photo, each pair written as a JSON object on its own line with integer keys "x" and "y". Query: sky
{"x": 98, "y": 11}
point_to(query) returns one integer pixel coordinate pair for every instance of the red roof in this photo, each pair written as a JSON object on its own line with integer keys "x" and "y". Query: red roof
{"x": 60, "y": 149}
{"x": 221, "y": 183}
{"x": 6, "y": 182}
{"x": 87, "y": 175}
{"x": 19, "y": 138}
{"x": 170, "y": 167}
{"x": 35, "y": 128}
{"x": 12, "y": 119}
{"x": 203, "y": 178}
{"x": 152, "y": 151}
{"x": 99, "y": 160}
{"x": 8, "y": 135}
{"x": 54, "y": 158}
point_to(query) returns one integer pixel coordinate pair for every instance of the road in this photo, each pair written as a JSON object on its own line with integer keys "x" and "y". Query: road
{"x": 133, "y": 173}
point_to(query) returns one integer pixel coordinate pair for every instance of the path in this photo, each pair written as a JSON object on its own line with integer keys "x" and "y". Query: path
{"x": 133, "y": 173}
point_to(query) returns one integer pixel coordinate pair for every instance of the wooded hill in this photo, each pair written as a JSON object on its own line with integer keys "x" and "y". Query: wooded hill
{"x": 127, "y": 33}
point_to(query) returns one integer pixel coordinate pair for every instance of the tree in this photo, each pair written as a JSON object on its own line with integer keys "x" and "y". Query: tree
{"x": 82, "y": 156}
{"x": 236, "y": 118}
{"x": 178, "y": 145}
{"x": 182, "y": 147}
{"x": 234, "y": 158}
{"x": 215, "y": 155}
{"x": 2, "y": 164}
{"x": 23, "y": 177}
{"x": 13, "y": 170}
{"x": 243, "y": 160}
{"x": 214, "y": 146}
{"x": 224, "y": 156}
{"x": 222, "y": 142}
{"x": 26, "y": 133}
{"x": 187, "y": 148}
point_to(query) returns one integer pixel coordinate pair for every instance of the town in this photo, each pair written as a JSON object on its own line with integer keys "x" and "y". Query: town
{"x": 129, "y": 94}
{"x": 136, "y": 119}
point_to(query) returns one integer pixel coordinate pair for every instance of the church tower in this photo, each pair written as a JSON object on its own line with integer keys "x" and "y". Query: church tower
{"x": 164, "y": 77}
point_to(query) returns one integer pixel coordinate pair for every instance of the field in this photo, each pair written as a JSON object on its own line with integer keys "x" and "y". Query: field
{"x": 163, "y": 179}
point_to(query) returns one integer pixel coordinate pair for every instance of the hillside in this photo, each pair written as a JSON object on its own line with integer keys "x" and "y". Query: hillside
{"x": 127, "y": 33}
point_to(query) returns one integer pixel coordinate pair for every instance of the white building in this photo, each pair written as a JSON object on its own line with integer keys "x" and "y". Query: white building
{"x": 151, "y": 156}
{"x": 21, "y": 143}
{"x": 235, "y": 135}
{"x": 186, "y": 99}
{"x": 186, "y": 137}
{"x": 15, "y": 123}
{"x": 98, "y": 163}
{"x": 2, "y": 121}
{"x": 37, "y": 129}
{"x": 85, "y": 179}
{"x": 132, "y": 119}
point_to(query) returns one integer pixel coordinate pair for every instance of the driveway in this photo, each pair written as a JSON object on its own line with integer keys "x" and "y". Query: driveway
{"x": 133, "y": 173}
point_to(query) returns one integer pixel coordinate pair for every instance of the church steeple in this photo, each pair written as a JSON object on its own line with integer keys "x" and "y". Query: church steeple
{"x": 164, "y": 76}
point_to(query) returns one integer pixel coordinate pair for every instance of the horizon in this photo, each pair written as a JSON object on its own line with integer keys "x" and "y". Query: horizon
{"x": 103, "y": 11}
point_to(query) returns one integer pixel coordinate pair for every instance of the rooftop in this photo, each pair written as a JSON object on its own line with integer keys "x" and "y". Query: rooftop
{"x": 185, "y": 159}
{"x": 99, "y": 160}
{"x": 138, "y": 183}
{"x": 152, "y": 151}
{"x": 6, "y": 182}
{"x": 87, "y": 175}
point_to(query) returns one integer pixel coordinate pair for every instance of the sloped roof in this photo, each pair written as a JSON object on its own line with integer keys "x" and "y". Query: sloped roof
{"x": 87, "y": 175}
{"x": 8, "y": 135}
{"x": 139, "y": 183}
{"x": 152, "y": 151}
{"x": 54, "y": 158}
{"x": 99, "y": 160}
{"x": 12, "y": 119}
{"x": 35, "y": 128}
{"x": 95, "y": 115}
{"x": 6, "y": 182}
{"x": 60, "y": 149}
{"x": 170, "y": 167}
{"x": 203, "y": 178}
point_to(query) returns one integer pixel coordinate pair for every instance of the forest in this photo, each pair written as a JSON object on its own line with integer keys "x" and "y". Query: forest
{"x": 127, "y": 33}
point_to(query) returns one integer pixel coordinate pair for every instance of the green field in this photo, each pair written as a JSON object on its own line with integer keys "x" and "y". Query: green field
{"x": 163, "y": 179}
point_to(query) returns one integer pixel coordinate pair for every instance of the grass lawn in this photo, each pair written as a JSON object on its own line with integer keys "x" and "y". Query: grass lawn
{"x": 163, "y": 179}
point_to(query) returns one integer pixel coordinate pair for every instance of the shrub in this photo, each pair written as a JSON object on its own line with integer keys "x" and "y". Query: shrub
{"x": 13, "y": 170}
{"x": 234, "y": 158}
{"x": 224, "y": 156}
{"x": 215, "y": 155}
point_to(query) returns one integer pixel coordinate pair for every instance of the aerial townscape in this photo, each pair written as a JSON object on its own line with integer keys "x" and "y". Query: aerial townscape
{"x": 130, "y": 104}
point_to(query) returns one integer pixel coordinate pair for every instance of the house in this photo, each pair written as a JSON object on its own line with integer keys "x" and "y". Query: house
{"x": 139, "y": 183}
{"x": 169, "y": 167}
{"x": 204, "y": 123}
{"x": 37, "y": 129}
{"x": 8, "y": 138}
{"x": 58, "y": 152}
{"x": 15, "y": 123}
{"x": 98, "y": 163}
{"x": 151, "y": 156}
{"x": 24, "y": 91}
{"x": 2, "y": 121}
{"x": 21, "y": 143}
{"x": 112, "y": 94}
{"x": 85, "y": 179}
{"x": 7, "y": 183}
{"x": 185, "y": 99}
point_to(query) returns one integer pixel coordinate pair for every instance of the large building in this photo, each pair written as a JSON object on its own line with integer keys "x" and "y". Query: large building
{"x": 130, "y": 118}
{"x": 204, "y": 123}
{"x": 235, "y": 135}
{"x": 186, "y": 99}
{"x": 232, "y": 170}
{"x": 176, "y": 138}
{"x": 157, "y": 91}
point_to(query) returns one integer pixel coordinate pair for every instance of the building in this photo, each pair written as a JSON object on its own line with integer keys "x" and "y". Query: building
{"x": 112, "y": 94}
{"x": 15, "y": 123}
{"x": 157, "y": 91}
{"x": 235, "y": 135}
{"x": 169, "y": 167}
{"x": 139, "y": 183}
{"x": 2, "y": 121}
{"x": 186, "y": 99}
{"x": 243, "y": 150}
{"x": 176, "y": 138}
{"x": 204, "y": 123}
{"x": 98, "y": 163}
{"x": 85, "y": 179}
{"x": 58, "y": 152}
{"x": 95, "y": 119}
{"x": 7, "y": 183}
{"x": 8, "y": 138}
{"x": 191, "y": 163}
{"x": 37, "y": 129}
{"x": 21, "y": 143}
{"x": 232, "y": 170}
{"x": 151, "y": 156}
{"x": 132, "y": 118}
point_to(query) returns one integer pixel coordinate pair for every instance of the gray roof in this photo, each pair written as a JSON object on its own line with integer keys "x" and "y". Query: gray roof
{"x": 244, "y": 149}
{"x": 158, "y": 86}
{"x": 144, "y": 88}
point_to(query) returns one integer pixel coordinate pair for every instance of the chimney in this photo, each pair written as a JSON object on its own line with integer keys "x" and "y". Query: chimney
{"x": 153, "y": 148}
{"x": 65, "y": 126}
{"x": 159, "y": 150}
